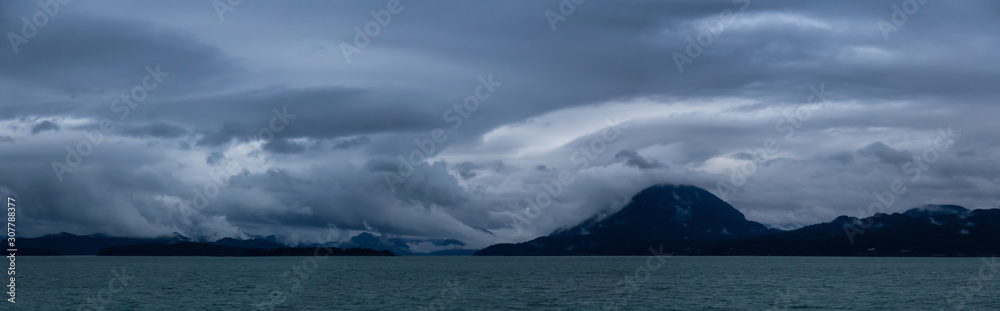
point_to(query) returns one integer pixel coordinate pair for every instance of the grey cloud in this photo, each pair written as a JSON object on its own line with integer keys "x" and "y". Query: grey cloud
{"x": 843, "y": 157}
{"x": 633, "y": 159}
{"x": 113, "y": 66}
{"x": 214, "y": 158}
{"x": 967, "y": 153}
{"x": 158, "y": 130}
{"x": 382, "y": 164}
{"x": 465, "y": 170}
{"x": 351, "y": 143}
{"x": 336, "y": 162}
{"x": 499, "y": 167}
{"x": 742, "y": 156}
{"x": 43, "y": 126}
{"x": 283, "y": 146}
{"x": 886, "y": 154}
{"x": 226, "y": 133}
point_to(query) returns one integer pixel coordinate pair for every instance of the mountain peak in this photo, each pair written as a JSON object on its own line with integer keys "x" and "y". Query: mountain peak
{"x": 685, "y": 201}
{"x": 676, "y": 216}
{"x": 935, "y": 210}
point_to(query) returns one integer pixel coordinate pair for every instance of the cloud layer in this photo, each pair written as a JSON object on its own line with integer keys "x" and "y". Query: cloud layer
{"x": 149, "y": 118}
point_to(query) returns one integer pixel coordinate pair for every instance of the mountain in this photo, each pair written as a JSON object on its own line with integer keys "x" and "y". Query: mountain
{"x": 690, "y": 221}
{"x": 402, "y": 246}
{"x": 176, "y": 249}
{"x": 321, "y": 251}
{"x": 451, "y": 252}
{"x": 211, "y": 249}
{"x": 270, "y": 238}
{"x": 684, "y": 220}
{"x": 678, "y": 217}
{"x": 932, "y": 230}
{"x": 71, "y": 244}
{"x": 249, "y": 244}
{"x": 936, "y": 210}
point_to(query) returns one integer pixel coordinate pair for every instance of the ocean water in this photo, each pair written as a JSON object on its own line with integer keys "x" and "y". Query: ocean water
{"x": 506, "y": 283}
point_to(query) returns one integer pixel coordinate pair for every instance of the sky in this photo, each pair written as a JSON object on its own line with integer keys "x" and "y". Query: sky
{"x": 486, "y": 121}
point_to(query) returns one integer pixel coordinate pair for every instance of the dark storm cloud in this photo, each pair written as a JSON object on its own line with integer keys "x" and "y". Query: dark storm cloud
{"x": 499, "y": 167}
{"x": 843, "y": 157}
{"x": 159, "y": 130}
{"x": 465, "y": 170}
{"x": 317, "y": 141}
{"x": 108, "y": 58}
{"x": 967, "y": 153}
{"x": 885, "y": 154}
{"x": 44, "y": 126}
{"x": 633, "y": 159}
{"x": 214, "y": 158}
{"x": 351, "y": 143}
{"x": 283, "y": 146}
{"x": 318, "y": 113}
{"x": 226, "y": 133}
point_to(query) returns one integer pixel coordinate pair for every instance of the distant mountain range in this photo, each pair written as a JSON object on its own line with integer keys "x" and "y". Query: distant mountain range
{"x": 402, "y": 246}
{"x": 173, "y": 245}
{"x": 684, "y": 220}
{"x": 179, "y": 245}
{"x": 71, "y": 244}
{"x": 687, "y": 220}
{"x": 932, "y": 230}
{"x": 212, "y": 249}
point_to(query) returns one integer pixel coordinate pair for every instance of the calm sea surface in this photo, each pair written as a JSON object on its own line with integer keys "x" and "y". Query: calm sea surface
{"x": 506, "y": 283}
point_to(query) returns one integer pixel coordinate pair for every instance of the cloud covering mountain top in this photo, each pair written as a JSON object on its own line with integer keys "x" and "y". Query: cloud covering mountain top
{"x": 516, "y": 117}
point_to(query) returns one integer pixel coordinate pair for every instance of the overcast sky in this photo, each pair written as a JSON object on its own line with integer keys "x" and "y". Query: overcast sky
{"x": 800, "y": 109}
